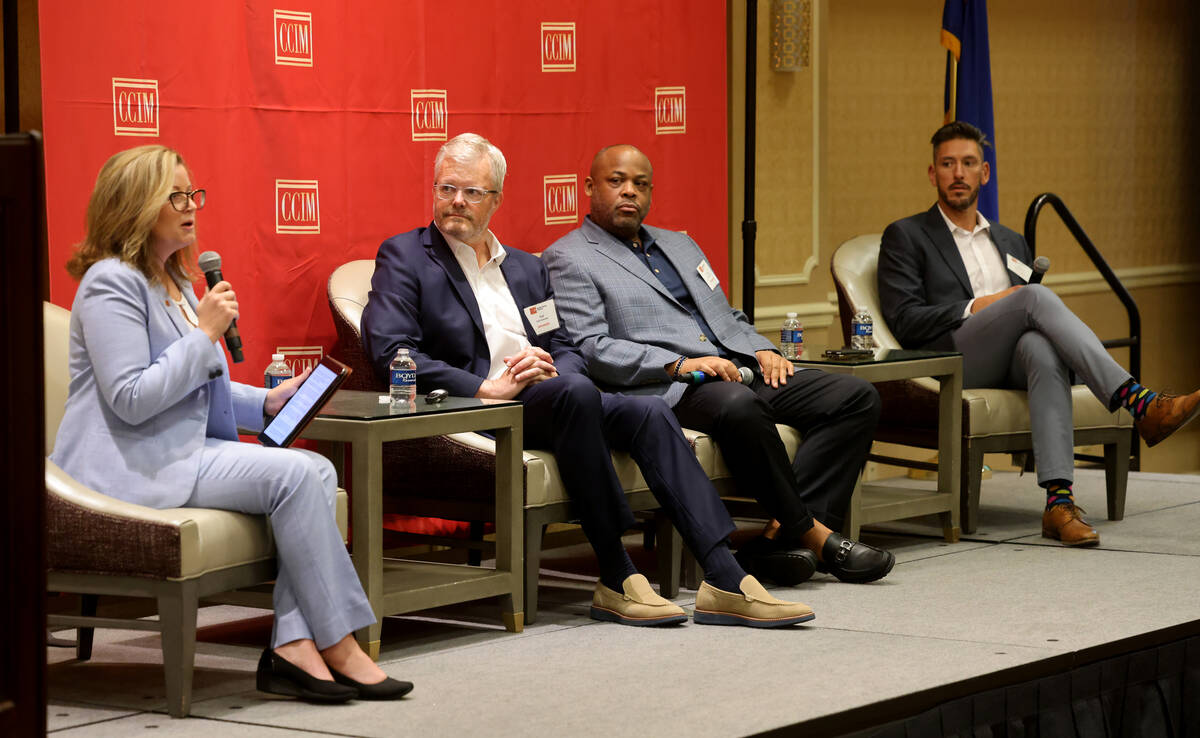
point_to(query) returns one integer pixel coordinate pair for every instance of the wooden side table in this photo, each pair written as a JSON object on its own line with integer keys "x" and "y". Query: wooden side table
{"x": 396, "y": 586}
{"x": 875, "y": 503}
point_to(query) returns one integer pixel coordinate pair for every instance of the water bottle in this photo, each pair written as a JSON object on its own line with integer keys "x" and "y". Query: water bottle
{"x": 791, "y": 338}
{"x": 403, "y": 371}
{"x": 277, "y": 372}
{"x": 862, "y": 330}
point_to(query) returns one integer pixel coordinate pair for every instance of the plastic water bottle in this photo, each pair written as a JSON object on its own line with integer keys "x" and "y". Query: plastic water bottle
{"x": 862, "y": 330}
{"x": 791, "y": 338}
{"x": 277, "y": 372}
{"x": 403, "y": 371}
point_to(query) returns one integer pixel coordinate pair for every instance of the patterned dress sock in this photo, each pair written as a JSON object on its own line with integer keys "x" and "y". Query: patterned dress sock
{"x": 1058, "y": 492}
{"x": 1133, "y": 397}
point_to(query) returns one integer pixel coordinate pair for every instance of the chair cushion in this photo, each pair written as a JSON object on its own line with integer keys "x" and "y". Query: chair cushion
{"x": 96, "y": 534}
{"x": 1000, "y": 411}
{"x": 56, "y": 346}
{"x": 348, "y": 288}
{"x": 543, "y": 482}
{"x": 855, "y": 265}
{"x": 714, "y": 464}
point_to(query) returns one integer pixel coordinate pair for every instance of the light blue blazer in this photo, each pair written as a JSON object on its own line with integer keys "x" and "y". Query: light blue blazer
{"x": 626, "y": 323}
{"x": 146, "y": 390}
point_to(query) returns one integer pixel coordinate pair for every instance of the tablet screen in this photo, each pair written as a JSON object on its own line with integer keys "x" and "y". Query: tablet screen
{"x": 301, "y": 405}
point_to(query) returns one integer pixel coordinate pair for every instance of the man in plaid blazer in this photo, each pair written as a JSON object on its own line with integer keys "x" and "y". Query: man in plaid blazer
{"x": 646, "y": 310}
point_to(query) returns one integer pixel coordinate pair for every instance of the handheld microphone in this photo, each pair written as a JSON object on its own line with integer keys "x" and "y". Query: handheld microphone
{"x": 1040, "y": 266}
{"x": 210, "y": 264}
{"x": 701, "y": 377}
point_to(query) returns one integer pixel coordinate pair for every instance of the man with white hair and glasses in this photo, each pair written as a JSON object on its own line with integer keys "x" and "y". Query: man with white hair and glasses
{"x": 479, "y": 321}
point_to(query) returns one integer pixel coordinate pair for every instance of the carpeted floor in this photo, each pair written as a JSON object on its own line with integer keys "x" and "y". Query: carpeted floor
{"x": 1002, "y": 599}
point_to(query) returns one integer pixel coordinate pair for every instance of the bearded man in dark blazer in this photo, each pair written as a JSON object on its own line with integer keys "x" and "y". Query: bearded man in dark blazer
{"x": 951, "y": 280}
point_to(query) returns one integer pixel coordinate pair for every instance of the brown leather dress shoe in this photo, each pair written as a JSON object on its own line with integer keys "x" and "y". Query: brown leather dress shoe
{"x": 1064, "y": 523}
{"x": 1167, "y": 413}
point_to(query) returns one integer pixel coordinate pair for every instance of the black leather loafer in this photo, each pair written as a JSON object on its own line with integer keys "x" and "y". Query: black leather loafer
{"x": 388, "y": 689}
{"x": 764, "y": 558}
{"x": 854, "y": 561}
{"x": 277, "y": 675}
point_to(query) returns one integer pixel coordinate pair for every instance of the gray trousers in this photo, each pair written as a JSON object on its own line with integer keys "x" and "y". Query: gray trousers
{"x": 1030, "y": 340}
{"x": 317, "y": 593}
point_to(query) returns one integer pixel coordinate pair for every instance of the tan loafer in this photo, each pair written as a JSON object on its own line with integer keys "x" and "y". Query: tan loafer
{"x": 639, "y": 605}
{"x": 1064, "y": 523}
{"x": 1167, "y": 413}
{"x": 753, "y": 606}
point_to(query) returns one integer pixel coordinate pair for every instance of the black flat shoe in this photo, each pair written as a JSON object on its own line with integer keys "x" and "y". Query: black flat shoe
{"x": 388, "y": 689}
{"x": 764, "y": 558}
{"x": 277, "y": 675}
{"x": 854, "y": 561}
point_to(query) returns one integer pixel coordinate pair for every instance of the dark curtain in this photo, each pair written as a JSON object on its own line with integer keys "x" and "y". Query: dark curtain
{"x": 1145, "y": 694}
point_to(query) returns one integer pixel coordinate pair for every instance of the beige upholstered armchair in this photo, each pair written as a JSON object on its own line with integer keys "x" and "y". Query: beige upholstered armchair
{"x": 452, "y": 476}
{"x": 98, "y": 545}
{"x": 994, "y": 420}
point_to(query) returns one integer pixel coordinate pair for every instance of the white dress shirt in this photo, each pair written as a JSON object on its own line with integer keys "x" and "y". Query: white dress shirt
{"x": 980, "y": 256}
{"x": 502, "y": 326}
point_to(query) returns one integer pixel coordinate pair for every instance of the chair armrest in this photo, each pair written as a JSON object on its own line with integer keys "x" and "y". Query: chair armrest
{"x": 63, "y": 485}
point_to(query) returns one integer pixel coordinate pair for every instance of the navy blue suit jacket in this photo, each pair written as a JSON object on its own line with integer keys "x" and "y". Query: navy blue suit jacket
{"x": 923, "y": 283}
{"x": 421, "y": 300}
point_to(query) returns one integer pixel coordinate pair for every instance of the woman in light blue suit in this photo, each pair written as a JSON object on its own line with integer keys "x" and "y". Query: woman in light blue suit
{"x": 152, "y": 419}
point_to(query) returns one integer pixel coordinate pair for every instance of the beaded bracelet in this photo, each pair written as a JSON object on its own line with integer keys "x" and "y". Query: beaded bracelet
{"x": 679, "y": 363}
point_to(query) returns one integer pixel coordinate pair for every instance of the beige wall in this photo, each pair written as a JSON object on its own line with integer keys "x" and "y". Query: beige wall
{"x": 1089, "y": 101}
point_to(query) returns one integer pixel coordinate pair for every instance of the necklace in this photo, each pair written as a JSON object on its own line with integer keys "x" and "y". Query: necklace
{"x": 187, "y": 312}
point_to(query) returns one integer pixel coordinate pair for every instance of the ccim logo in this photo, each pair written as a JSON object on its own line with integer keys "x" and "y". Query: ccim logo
{"x": 560, "y": 198}
{"x": 301, "y": 358}
{"x": 558, "y": 47}
{"x": 428, "y": 115}
{"x": 293, "y": 38}
{"x": 297, "y": 206}
{"x": 135, "y": 106}
{"x": 670, "y": 110}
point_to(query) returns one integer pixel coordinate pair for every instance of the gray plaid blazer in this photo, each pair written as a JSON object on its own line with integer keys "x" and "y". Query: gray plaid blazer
{"x": 624, "y": 320}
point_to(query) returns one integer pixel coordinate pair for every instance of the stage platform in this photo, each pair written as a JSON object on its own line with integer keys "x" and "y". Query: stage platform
{"x": 1002, "y": 608}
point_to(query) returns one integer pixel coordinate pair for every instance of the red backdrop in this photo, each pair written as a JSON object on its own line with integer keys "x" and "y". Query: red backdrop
{"x": 313, "y": 124}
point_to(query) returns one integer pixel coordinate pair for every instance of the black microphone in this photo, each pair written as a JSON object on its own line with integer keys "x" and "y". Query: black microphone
{"x": 210, "y": 264}
{"x": 1040, "y": 266}
{"x": 701, "y": 377}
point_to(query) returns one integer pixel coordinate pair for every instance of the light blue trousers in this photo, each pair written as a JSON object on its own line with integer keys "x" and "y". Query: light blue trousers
{"x": 317, "y": 592}
{"x": 1029, "y": 340}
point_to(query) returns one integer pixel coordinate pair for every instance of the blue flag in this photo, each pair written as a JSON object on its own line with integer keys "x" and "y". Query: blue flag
{"x": 965, "y": 36}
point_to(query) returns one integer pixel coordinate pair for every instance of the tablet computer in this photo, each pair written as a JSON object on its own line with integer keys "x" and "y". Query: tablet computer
{"x": 300, "y": 408}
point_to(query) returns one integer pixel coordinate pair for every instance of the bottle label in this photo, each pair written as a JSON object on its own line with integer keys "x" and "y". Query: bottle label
{"x": 863, "y": 329}
{"x": 274, "y": 380}
{"x": 788, "y": 336}
{"x": 404, "y": 377}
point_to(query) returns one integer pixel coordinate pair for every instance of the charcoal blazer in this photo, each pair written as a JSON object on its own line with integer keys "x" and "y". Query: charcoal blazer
{"x": 146, "y": 390}
{"x": 627, "y": 324}
{"x": 420, "y": 299}
{"x": 923, "y": 283}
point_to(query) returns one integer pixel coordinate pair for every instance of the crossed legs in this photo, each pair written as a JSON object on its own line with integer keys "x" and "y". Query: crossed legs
{"x": 1030, "y": 340}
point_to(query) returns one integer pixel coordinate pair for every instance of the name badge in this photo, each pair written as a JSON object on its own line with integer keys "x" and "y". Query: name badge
{"x": 706, "y": 273}
{"x": 542, "y": 316}
{"x": 1018, "y": 268}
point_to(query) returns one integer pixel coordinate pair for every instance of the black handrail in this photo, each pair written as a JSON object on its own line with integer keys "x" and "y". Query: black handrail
{"x": 1134, "y": 340}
